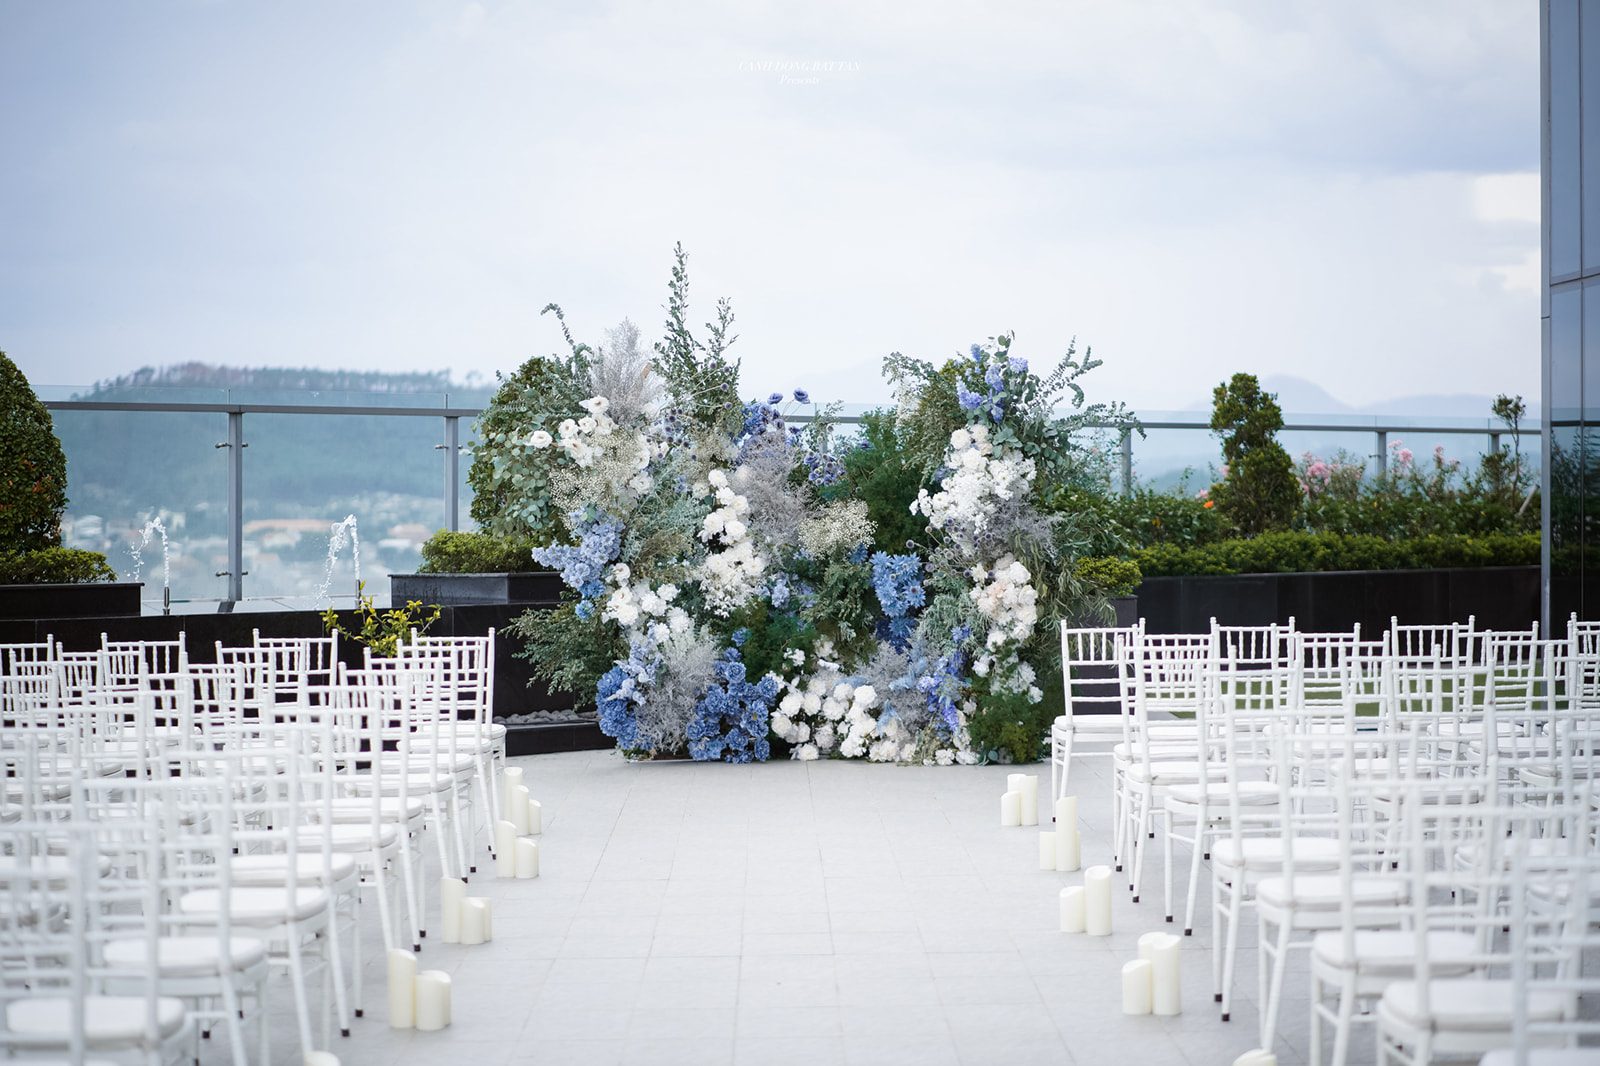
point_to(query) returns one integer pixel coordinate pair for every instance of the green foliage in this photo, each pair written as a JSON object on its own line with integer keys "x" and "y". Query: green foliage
{"x": 1111, "y": 577}
{"x": 382, "y": 631}
{"x": 33, "y": 468}
{"x": 448, "y": 552}
{"x": 772, "y": 634}
{"x": 927, "y": 410}
{"x": 54, "y": 566}
{"x": 510, "y": 478}
{"x": 567, "y": 652}
{"x": 1007, "y": 728}
{"x": 844, "y": 608}
{"x": 1258, "y": 492}
{"x": 1297, "y": 552}
{"x": 880, "y": 474}
{"x": 703, "y": 382}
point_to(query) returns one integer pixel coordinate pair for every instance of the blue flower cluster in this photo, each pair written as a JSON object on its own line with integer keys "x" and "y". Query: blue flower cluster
{"x": 581, "y": 565}
{"x": 780, "y": 592}
{"x": 897, "y": 579}
{"x": 943, "y": 684}
{"x": 622, "y": 686}
{"x": 993, "y": 401}
{"x": 730, "y": 721}
{"x": 823, "y": 468}
{"x": 761, "y": 418}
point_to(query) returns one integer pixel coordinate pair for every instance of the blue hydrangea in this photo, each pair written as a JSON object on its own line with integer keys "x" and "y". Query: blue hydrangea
{"x": 730, "y": 722}
{"x": 581, "y": 565}
{"x": 897, "y": 580}
{"x": 977, "y": 353}
{"x": 622, "y": 688}
{"x": 1018, "y": 364}
{"x": 969, "y": 400}
{"x": 780, "y": 592}
{"x": 584, "y": 610}
{"x": 994, "y": 377}
{"x": 943, "y": 686}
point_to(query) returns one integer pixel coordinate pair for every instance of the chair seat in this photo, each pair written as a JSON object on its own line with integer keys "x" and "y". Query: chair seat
{"x": 188, "y": 956}
{"x": 1266, "y": 853}
{"x": 254, "y": 906}
{"x": 1170, "y": 772}
{"x": 1466, "y": 1005}
{"x": 1322, "y": 891}
{"x": 348, "y": 839}
{"x": 1393, "y": 952}
{"x": 425, "y": 760}
{"x": 1549, "y": 1056}
{"x": 350, "y": 810}
{"x": 271, "y": 871}
{"x": 1251, "y": 794}
{"x": 108, "y": 1021}
{"x": 1547, "y": 774}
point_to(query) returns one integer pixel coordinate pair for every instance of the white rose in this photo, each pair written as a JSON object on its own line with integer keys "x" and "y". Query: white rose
{"x": 960, "y": 439}
{"x": 843, "y": 691}
{"x": 812, "y": 702}
{"x": 807, "y": 752}
{"x": 567, "y": 427}
{"x": 832, "y": 709}
{"x": 540, "y": 439}
{"x": 718, "y": 479}
{"x": 735, "y": 529}
{"x": 866, "y": 696}
{"x": 713, "y": 523}
{"x": 781, "y": 725}
{"x": 668, "y": 592}
{"x": 790, "y": 704}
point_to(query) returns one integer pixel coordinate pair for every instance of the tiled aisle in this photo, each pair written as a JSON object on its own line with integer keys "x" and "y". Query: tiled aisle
{"x": 806, "y": 913}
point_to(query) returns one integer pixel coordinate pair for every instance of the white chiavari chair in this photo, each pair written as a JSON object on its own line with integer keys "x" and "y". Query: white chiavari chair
{"x": 1095, "y": 712}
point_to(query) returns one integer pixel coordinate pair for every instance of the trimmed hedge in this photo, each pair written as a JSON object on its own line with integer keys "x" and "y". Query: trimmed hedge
{"x": 54, "y": 566}
{"x": 1294, "y": 553}
{"x": 1113, "y": 577}
{"x": 477, "y": 553}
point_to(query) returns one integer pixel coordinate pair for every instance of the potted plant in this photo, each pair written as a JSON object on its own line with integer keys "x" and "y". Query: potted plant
{"x": 463, "y": 568}
{"x": 39, "y": 578}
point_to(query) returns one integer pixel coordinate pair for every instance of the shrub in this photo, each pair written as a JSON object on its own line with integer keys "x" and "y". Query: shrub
{"x": 1258, "y": 491}
{"x": 1293, "y": 552}
{"x": 880, "y": 475}
{"x": 33, "y": 468}
{"x": 1112, "y": 577}
{"x": 476, "y": 553}
{"x": 382, "y": 631}
{"x": 64, "y": 566}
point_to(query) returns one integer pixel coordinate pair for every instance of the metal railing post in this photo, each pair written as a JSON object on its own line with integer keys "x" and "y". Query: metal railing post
{"x": 452, "y": 472}
{"x": 1126, "y": 447}
{"x": 236, "y": 446}
{"x": 1382, "y": 457}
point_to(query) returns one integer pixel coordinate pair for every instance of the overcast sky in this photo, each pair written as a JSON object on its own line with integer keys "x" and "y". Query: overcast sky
{"x": 1343, "y": 191}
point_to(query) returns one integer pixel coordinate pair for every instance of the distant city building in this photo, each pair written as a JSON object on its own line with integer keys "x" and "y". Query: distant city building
{"x": 1570, "y": 131}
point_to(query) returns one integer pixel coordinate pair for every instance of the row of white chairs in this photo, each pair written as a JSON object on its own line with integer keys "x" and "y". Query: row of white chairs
{"x": 243, "y": 815}
{"x": 1328, "y": 779}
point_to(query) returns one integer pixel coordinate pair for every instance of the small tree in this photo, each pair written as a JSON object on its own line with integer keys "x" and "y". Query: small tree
{"x": 33, "y": 468}
{"x": 1258, "y": 492}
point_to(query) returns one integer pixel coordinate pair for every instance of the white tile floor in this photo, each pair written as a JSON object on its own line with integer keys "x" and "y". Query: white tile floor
{"x": 809, "y": 913}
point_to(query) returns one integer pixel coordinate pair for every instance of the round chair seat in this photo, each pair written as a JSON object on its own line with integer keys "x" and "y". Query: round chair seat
{"x": 108, "y": 1021}
{"x": 188, "y": 956}
{"x": 254, "y": 906}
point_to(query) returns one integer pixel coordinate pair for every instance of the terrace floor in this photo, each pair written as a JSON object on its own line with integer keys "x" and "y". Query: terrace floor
{"x": 809, "y": 913}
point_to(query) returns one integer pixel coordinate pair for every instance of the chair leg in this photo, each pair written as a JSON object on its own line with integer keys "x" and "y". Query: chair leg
{"x": 1274, "y": 998}
{"x": 297, "y": 981}
{"x": 1347, "y": 1009}
{"x": 1166, "y": 864}
{"x": 1200, "y": 831}
{"x": 1231, "y": 953}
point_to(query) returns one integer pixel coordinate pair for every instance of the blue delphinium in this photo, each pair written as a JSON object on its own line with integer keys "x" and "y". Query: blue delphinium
{"x": 731, "y": 720}
{"x": 582, "y": 564}
{"x": 897, "y": 579}
{"x": 943, "y": 684}
{"x": 858, "y": 554}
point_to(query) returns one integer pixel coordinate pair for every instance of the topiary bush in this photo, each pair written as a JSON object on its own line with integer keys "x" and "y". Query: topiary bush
{"x": 1258, "y": 492}
{"x": 33, "y": 468}
{"x": 477, "y": 553}
{"x": 54, "y": 566}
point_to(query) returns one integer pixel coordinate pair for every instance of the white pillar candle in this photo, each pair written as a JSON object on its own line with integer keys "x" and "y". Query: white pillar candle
{"x": 535, "y": 818}
{"x": 1166, "y": 986}
{"x": 1136, "y": 987}
{"x": 488, "y": 918}
{"x": 1047, "y": 851}
{"x": 1256, "y": 1057}
{"x": 472, "y": 919}
{"x": 1068, "y": 858}
{"x": 452, "y": 890}
{"x": 1148, "y": 942}
{"x": 1014, "y": 782}
{"x": 1097, "y": 901}
{"x": 433, "y": 1000}
{"x": 510, "y": 780}
{"x": 1067, "y": 813}
{"x": 1030, "y": 799}
{"x": 402, "y": 991}
{"x": 319, "y": 1058}
{"x": 527, "y": 857}
{"x": 505, "y": 849}
{"x": 517, "y": 810}
{"x": 1072, "y": 909}
{"x": 1011, "y": 809}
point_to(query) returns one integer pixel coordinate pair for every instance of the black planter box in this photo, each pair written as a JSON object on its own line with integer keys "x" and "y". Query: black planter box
{"x": 1496, "y": 597}
{"x": 539, "y": 589}
{"x": 102, "y": 599}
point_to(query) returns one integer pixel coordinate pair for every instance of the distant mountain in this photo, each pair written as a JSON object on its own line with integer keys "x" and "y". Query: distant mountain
{"x": 272, "y": 378}
{"x": 1298, "y": 396}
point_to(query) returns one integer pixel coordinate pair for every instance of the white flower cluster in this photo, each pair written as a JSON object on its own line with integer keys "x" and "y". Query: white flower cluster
{"x": 824, "y": 713}
{"x": 580, "y": 438}
{"x": 835, "y": 527}
{"x": 732, "y": 573}
{"x": 1006, "y": 597}
{"x": 638, "y": 604}
{"x": 980, "y": 479}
